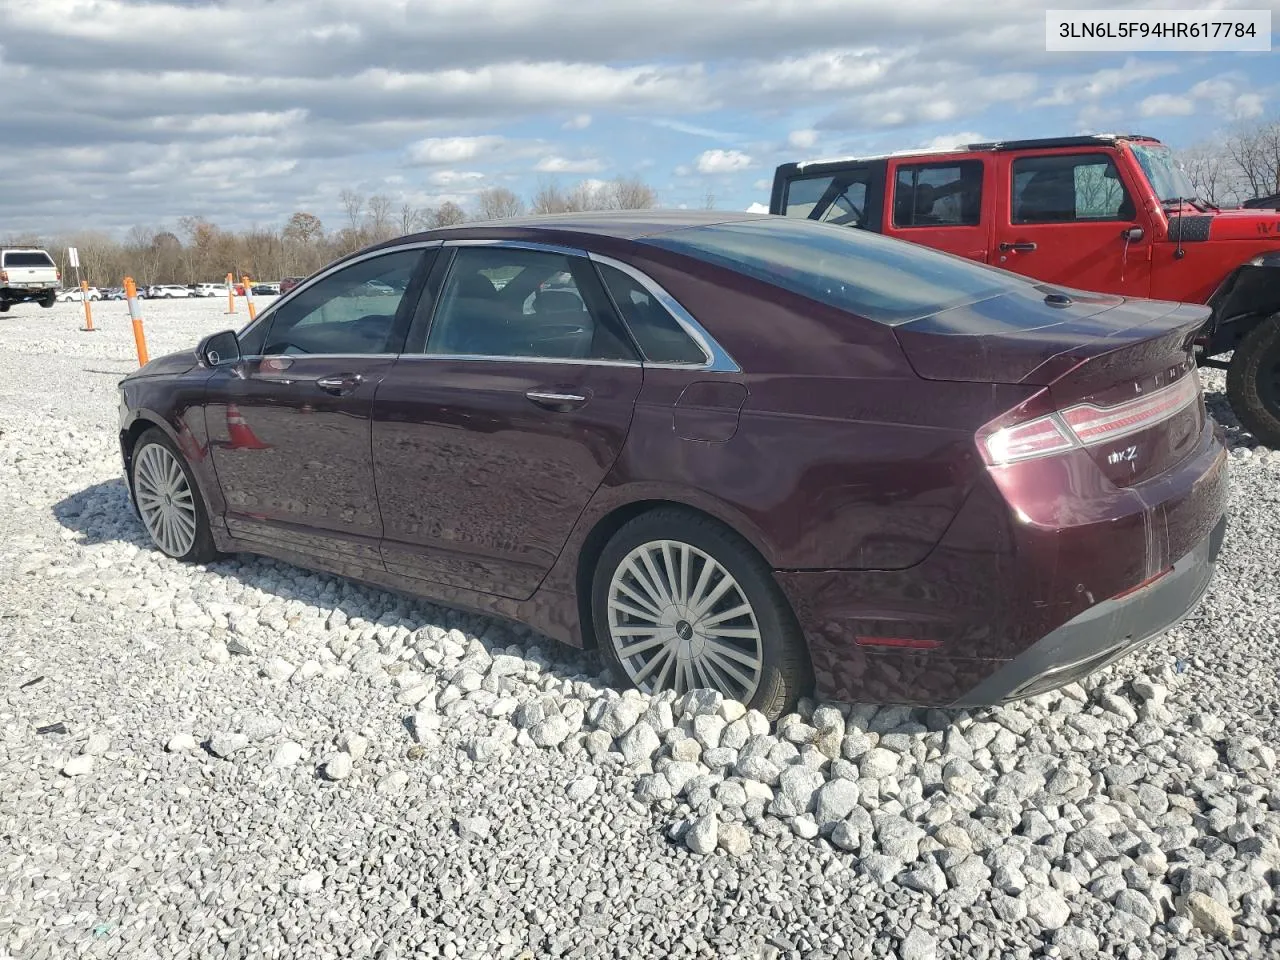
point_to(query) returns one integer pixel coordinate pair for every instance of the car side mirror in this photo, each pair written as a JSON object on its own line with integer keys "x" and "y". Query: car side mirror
{"x": 1132, "y": 234}
{"x": 219, "y": 349}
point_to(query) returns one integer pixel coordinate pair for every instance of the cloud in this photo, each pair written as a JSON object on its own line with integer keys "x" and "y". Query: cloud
{"x": 453, "y": 178}
{"x": 950, "y": 141}
{"x": 452, "y": 149}
{"x": 802, "y": 139}
{"x": 722, "y": 161}
{"x": 580, "y": 122}
{"x": 693, "y": 129}
{"x": 1104, "y": 83}
{"x": 555, "y": 164}
{"x": 758, "y": 208}
{"x": 1167, "y": 105}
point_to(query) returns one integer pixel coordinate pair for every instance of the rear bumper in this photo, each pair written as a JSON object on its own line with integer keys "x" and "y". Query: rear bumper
{"x": 1104, "y": 633}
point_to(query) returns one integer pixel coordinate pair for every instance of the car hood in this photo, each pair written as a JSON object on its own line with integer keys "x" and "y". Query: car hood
{"x": 170, "y": 364}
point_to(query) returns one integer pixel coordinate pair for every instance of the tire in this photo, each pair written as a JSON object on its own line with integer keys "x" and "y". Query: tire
{"x": 4, "y": 306}
{"x": 1253, "y": 382}
{"x": 152, "y": 466}
{"x": 48, "y": 302}
{"x": 699, "y": 552}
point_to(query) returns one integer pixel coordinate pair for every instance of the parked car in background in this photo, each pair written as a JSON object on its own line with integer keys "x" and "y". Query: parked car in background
{"x": 113, "y": 293}
{"x": 75, "y": 295}
{"x": 167, "y": 291}
{"x": 266, "y": 289}
{"x": 210, "y": 290}
{"x": 27, "y": 274}
{"x": 288, "y": 283}
{"x": 1112, "y": 214}
{"x": 748, "y": 453}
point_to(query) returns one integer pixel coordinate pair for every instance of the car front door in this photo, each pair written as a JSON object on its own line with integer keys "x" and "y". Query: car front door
{"x": 506, "y": 410}
{"x": 289, "y": 424}
{"x": 1071, "y": 218}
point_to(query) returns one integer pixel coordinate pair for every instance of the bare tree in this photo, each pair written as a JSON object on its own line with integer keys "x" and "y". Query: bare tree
{"x": 353, "y": 206}
{"x": 498, "y": 203}
{"x": 411, "y": 218}
{"x": 1210, "y": 172}
{"x": 448, "y": 214}
{"x": 709, "y": 200}
{"x": 381, "y": 225}
{"x": 550, "y": 199}
{"x": 304, "y": 228}
{"x": 632, "y": 193}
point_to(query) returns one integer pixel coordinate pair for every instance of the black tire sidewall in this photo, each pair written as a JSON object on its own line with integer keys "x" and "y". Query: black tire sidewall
{"x": 1255, "y": 415}
{"x": 202, "y": 548}
{"x": 782, "y": 644}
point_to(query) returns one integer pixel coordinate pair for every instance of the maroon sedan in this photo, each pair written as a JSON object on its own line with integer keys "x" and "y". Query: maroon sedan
{"x": 748, "y": 453}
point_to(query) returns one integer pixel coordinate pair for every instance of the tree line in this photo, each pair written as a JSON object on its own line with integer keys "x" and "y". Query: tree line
{"x": 1229, "y": 170}
{"x": 198, "y": 251}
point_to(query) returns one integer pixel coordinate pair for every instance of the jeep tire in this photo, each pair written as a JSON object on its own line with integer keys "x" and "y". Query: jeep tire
{"x": 1253, "y": 382}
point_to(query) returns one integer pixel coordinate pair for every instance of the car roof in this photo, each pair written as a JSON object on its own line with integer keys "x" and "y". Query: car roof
{"x": 988, "y": 146}
{"x": 615, "y": 224}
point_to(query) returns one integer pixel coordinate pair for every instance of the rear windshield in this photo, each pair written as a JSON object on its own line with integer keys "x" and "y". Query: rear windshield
{"x": 29, "y": 259}
{"x": 890, "y": 281}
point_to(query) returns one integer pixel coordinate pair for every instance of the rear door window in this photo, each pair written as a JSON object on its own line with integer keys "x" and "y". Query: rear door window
{"x": 938, "y": 194}
{"x": 659, "y": 334}
{"x": 834, "y": 198}
{"x": 1068, "y": 188}
{"x": 27, "y": 259}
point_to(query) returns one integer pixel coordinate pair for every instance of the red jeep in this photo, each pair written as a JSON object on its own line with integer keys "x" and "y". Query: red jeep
{"x": 1112, "y": 214}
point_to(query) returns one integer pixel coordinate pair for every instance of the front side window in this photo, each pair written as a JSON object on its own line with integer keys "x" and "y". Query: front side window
{"x": 1069, "y": 188}
{"x": 349, "y": 312}
{"x": 869, "y": 275}
{"x": 938, "y": 194}
{"x": 659, "y": 334}
{"x": 836, "y": 198}
{"x": 511, "y": 302}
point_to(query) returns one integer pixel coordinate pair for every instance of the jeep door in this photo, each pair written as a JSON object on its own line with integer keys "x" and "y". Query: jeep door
{"x": 1074, "y": 218}
{"x": 940, "y": 204}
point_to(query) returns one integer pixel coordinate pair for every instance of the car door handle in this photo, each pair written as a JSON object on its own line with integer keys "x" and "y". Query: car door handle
{"x": 555, "y": 399}
{"x": 1022, "y": 246}
{"x": 341, "y": 385}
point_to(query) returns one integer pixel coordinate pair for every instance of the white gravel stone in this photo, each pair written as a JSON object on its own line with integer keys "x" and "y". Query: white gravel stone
{"x": 181, "y": 743}
{"x": 878, "y": 763}
{"x": 278, "y": 669}
{"x": 338, "y": 766}
{"x": 78, "y": 766}
{"x": 581, "y": 789}
{"x": 96, "y": 745}
{"x": 310, "y": 882}
{"x": 223, "y": 745}
{"x": 1208, "y": 915}
{"x": 353, "y": 744}
{"x": 287, "y": 754}
{"x": 702, "y": 835}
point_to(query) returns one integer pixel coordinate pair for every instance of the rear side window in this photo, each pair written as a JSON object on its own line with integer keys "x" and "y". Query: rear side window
{"x": 659, "y": 334}
{"x": 1069, "y": 188}
{"x": 938, "y": 195}
{"x": 836, "y": 198}
{"x": 27, "y": 259}
{"x": 886, "y": 280}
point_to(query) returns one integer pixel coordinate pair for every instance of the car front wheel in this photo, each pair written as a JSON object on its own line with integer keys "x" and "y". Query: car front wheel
{"x": 169, "y": 501}
{"x": 1253, "y": 382}
{"x": 680, "y": 602}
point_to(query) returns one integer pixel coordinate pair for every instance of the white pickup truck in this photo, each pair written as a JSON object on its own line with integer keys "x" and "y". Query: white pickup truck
{"x": 26, "y": 274}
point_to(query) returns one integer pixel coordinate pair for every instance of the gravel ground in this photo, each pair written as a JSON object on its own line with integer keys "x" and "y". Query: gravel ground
{"x": 251, "y": 760}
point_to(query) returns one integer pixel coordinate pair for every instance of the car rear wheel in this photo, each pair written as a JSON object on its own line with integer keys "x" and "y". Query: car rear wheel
{"x": 679, "y": 602}
{"x": 48, "y": 302}
{"x": 169, "y": 501}
{"x": 1253, "y": 382}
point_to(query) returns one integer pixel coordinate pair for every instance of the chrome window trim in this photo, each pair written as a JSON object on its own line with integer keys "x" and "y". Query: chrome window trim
{"x": 718, "y": 359}
{"x": 270, "y": 309}
{"x": 321, "y": 356}
{"x": 533, "y": 245}
{"x": 576, "y": 362}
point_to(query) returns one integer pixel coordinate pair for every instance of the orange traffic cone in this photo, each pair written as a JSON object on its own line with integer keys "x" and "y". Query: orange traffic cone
{"x": 241, "y": 437}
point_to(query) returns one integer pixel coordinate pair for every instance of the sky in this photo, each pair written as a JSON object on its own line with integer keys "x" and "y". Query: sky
{"x": 115, "y": 113}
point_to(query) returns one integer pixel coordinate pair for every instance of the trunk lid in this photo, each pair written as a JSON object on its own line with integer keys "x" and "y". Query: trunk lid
{"x": 1093, "y": 354}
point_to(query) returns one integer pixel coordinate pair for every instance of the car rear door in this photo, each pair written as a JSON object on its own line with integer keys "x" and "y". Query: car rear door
{"x": 289, "y": 425}
{"x": 940, "y": 203}
{"x": 1070, "y": 217}
{"x": 510, "y": 403}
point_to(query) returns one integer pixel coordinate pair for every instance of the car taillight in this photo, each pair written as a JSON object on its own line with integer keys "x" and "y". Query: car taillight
{"x": 4, "y": 276}
{"x": 1086, "y": 424}
{"x": 57, "y": 275}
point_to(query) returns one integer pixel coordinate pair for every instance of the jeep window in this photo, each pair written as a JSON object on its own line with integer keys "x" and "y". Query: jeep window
{"x": 34, "y": 258}
{"x": 1162, "y": 172}
{"x": 1069, "y": 188}
{"x": 869, "y": 275}
{"x": 938, "y": 195}
{"x": 837, "y": 198}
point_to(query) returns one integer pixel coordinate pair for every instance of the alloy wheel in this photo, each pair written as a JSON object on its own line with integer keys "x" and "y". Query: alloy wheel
{"x": 165, "y": 500}
{"x": 679, "y": 620}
